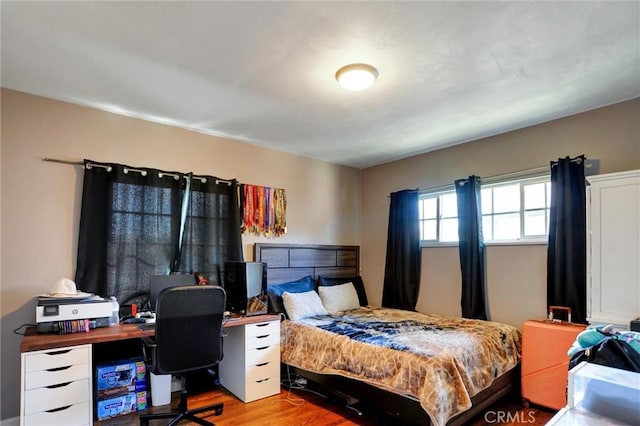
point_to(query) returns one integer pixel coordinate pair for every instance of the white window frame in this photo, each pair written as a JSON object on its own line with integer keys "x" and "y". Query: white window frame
{"x": 493, "y": 183}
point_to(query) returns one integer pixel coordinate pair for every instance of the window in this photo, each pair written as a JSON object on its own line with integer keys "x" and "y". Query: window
{"x": 513, "y": 211}
{"x": 135, "y": 223}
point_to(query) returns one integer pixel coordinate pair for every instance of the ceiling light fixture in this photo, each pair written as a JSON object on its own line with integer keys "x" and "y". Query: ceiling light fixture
{"x": 356, "y": 76}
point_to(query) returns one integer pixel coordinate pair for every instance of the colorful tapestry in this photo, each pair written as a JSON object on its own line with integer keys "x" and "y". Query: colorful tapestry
{"x": 264, "y": 210}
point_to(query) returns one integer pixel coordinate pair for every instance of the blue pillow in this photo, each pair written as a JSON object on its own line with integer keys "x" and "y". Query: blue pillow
{"x": 274, "y": 291}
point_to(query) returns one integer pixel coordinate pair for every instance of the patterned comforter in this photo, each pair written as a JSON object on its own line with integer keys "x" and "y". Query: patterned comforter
{"x": 441, "y": 361}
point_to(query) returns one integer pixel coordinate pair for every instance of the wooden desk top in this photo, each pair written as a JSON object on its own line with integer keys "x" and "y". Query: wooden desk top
{"x": 32, "y": 341}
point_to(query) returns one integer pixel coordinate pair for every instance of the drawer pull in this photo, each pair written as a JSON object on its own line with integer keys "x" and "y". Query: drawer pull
{"x": 59, "y": 352}
{"x": 263, "y": 364}
{"x": 57, "y": 409}
{"x": 59, "y": 385}
{"x": 262, "y": 348}
{"x": 264, "y": 324}
{"x": 58, "y": 368}
{"x": 262, "y": 380}
{"x": 262, "y": 337}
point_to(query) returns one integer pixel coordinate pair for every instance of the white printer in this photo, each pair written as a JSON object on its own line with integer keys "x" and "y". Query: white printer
{"x": 51, "y": 311}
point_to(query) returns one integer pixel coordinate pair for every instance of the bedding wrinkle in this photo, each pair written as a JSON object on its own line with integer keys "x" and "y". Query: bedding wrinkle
{"x": 441, "y": 361}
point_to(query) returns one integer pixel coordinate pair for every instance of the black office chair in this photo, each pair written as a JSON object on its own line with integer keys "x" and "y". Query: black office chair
{"x": 188, "y": 337}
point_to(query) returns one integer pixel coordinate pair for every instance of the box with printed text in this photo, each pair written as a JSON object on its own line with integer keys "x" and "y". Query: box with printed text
{"x": 117, "y": 406}
{"x": 115, "y": 379}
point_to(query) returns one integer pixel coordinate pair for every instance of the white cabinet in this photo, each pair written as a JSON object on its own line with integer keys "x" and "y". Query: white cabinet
{"x": 250, "y": 367}
{"x": 56, "y": 387}
{"x": 613, "y": 259}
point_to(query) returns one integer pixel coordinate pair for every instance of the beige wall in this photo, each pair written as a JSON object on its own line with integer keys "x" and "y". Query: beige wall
{"x": 516, "y": 275}
{"x": 327, "y": 204}
{"x": 41, "y": 200}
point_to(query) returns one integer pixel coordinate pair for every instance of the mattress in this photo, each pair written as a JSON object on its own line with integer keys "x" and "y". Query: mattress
{"x": 441, "y": 361}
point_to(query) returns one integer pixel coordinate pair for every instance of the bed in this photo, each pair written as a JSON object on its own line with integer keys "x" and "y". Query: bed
{"x": 422, "y": 369}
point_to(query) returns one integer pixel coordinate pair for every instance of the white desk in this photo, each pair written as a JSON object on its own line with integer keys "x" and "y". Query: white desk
{"x": 56, "y": 381}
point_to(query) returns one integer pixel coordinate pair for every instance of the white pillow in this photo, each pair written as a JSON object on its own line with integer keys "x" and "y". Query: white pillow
{"x": 341, "y": 297}
{"x": 302, "y": 305}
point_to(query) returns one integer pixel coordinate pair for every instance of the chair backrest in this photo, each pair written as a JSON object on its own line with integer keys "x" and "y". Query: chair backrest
{"x": 189, "y": 328}
{"x": 157, "y": 283}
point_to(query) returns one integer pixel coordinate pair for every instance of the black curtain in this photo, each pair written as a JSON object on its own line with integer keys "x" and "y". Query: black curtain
{"x": 212, "y": 228}
{"x": 403, "y": 262}
{"x": 136, "y": 222}
{"x": 567, "y": 247}
{"x": 471, "y": 248}
{"x": 129, "y": 229}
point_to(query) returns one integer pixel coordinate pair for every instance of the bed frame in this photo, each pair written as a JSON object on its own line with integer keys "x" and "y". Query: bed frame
{"x": 289, "y": 262}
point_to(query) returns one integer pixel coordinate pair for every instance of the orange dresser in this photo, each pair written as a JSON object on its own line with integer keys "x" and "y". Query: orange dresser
{"x": 545, "y": 363}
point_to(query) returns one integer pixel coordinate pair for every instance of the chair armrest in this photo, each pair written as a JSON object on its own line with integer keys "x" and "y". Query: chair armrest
{"x": 149, "y": 346}
{"x": 149, "y": 342}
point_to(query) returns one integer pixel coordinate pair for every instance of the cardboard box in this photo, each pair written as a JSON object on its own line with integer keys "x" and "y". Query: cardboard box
{"x": 117, "y": 406}
{"x": 115, "y": 379}
{"x": 141, "y": 400}
{"x": 141, "y": 376}
{"x": 121, "y": 379}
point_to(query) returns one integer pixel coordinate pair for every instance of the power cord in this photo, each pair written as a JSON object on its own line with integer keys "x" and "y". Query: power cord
{"x": 299, "y": 383}
{"x": 289, "y": 386}
{"x": 17, "y": 330}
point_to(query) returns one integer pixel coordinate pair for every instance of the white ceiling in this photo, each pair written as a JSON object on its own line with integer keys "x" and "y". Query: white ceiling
{"x": 263, "y": 72}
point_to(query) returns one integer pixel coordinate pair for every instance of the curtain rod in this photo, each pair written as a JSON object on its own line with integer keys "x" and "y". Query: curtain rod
{"x": 535, "y": 172}
{"x": 57, "y": 160}
{"x": 129, "y": 169}
{"x": 591, "y": 165}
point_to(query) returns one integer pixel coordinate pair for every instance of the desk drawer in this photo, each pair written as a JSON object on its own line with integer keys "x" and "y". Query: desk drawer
{"x": 44, "y": 360}
{"x": 260, "y": 329}
{"x": 43, "y": 378}
{"x": 262, "y": 388}
{"x": 263, "y": 371}
{"x": 262, "y": 341}
{"x": 261, "y": 355}
{"x": 46, "y": 399}
{"x": 74, "y": 415}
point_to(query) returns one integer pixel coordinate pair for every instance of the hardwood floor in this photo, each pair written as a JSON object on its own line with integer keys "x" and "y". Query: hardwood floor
{"x": 300, "y": 407}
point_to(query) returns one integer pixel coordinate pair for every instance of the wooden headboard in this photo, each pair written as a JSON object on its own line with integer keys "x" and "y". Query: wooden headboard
{"x": 290, "y": 262}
